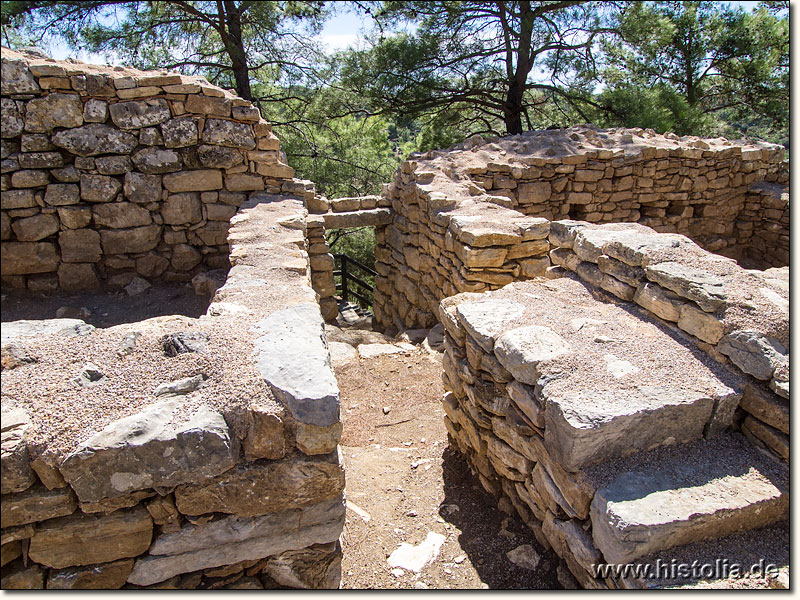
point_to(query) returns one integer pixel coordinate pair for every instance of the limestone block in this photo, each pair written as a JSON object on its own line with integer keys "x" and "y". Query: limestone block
{"x": 95, "y": 111}
{"x": 178, "y": 133}
{"x": 11, "y": 122}
{"x": 219, "y": 156}
{"x": 521, "y": 350}
{"x": 312, "y": 439}
{"x": 118, "y": 215}
{"x": 316, "y": 567}
{"x": 182, "y": 209}
{"x": 40, "y": 160}
{"x": 206, "y": 105}
{"x": 33, "y": 229}
{"x": 145, "y": 450}
{"x": 130, "y": 241}
{"x": 526, "y": 249}
{"x": 42, "y": 115}
{"x": 35, "y": 504}
{"x": 704, "y": 288}
{"x": 754, "y": 353}
{"x": 80, "y": 539}
{"x": 113, "y": 165}
{"x": 99, "y": 188}
{"x": 265, "y": 436}
{"x": 231, "y": 540}
{"x": 94, "y": 139}
{"x": 77, "y": 277}
{"x": 141, "y": 188}
{"x": 766, "y": 407}
{"x": 524, "y": 398}
{"x": 700, "y": 324}
{"x": 583, "y": 427}
{"x": 109, "y": 505}
{"x": 14, "y": 199}
{"x": 17, "y": 79}
{"x": 293, "y": 359}
{"x": 139, "y": 113}
{"x": 534, "y": 193}
{"x": 156, "y": 160}
{"x": 193, "y": 181}
{"x": 486, "y": 319}
{"x": 229, "y": 133}
{"x": 22, "y": 258}
{"x": 80, "y": 245}
{"x": 363, "y": 218}
{"x": 246, "y": 113}
{"x": 534, "y": 267}
{"x": 29, "y": 178}
{"x": 265, "y": 487}
{"x": 243, "y": 182}
{"x": 481, "y": 257}
{"x": 19, "y": 577}
{"x": 15, "y": 469}
{"x": 275, "y": 170}
{"x": 106, "y": 576}
{"x": 644, "y": 512}
{"x": 769, "y": 436}
{"x": 658, "y": 301}
{"x": 621, "y": 290}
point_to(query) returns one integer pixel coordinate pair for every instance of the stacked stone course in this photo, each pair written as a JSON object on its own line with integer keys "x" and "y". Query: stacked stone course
{"x": 109, "y": 173}
{"x": 701, "y": 188}
{"x": 181, "y": 495}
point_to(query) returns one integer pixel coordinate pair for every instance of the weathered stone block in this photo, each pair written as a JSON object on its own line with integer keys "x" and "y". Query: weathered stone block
{"x": 206, "y": 105}
{"x": 80, "y": 245}
{"x": 193, "y": 181}
{"x": 113, "y": 165}
{"x": 11, "y": 122}
{"x": 33, "y": 229}
{"x": 125, "y": 241}
{"x": 139, "y": 113}
{"x": 146, "y": 450}
{"x": 80, "y": 539}
{"x": 142, "y": 188}
{"x": 156, "y": 160}
{"x": 94, "y": 139}
{"x": 42, "y": 115}
{"x": 22, "y": 258}
{"x": 37, "y": 504}
{"x": 77, "y": 277}
{"x": 118, "y": 215}
{"x": 99, "y": 188}
{"x": 15, "y": 469}
{"x": 754, "y": 353}
{"x": 178, "y": 133}
{"x": 106, "y": 576}
{"x": 229, "y": 133}
{"x": 62, "y": 194}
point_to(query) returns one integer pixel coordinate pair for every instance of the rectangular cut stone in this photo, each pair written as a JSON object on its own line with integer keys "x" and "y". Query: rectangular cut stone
{"x": 293, "y": 358}
{"x": 584, "y": 427}
{"x": 130, "y": 241}
{"x": 265, "y": 487}
{"x": 23, "y": 258}
{"x": 146, "y": 450}
{"x": 199, "y": 180}
{"x": 361, "y": 218}
{"x": 36, "y": 504}
{"x": 710, "y": 490}
{"x": 233, "y": 539}
{"x": 88, "y": 539}
{"x": 481, "y": 257}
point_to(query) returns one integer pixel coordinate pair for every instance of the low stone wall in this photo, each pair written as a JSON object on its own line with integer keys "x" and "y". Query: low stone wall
{"x": 191, "y": 453}
{"x": 110, "y": 173}
{"x": 606, "y": 432}
{"x": 766, "y": 218}
{"x": 471, "y": 218}
{"x": 736, "y": 316}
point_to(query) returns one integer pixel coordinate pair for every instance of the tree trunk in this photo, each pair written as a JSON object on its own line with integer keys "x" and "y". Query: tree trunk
{"x": 235, "y": 47}
{"x": 512, "y": 112}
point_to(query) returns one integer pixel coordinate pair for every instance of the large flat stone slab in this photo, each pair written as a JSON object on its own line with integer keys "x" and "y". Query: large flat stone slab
{"x": 147, "y": 450}
{"x": 374, "y": 217}
{"x": 705, "y": 490}
{"x": 291, "y": 354}
{"x": 264, "y": 487}
{"x": 234, "y": 539}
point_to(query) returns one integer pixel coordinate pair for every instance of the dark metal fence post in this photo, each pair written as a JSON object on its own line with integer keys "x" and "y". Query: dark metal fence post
{"x": 344, "y": 278}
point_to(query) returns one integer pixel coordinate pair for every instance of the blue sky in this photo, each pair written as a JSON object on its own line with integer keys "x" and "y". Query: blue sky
{"x": 343, "y": 30}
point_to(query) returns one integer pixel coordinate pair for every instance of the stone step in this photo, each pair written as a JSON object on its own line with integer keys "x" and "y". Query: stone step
{"x": 754, "y": 559}
{"x": 684, "y": 494}
{"x": 611, "y": 379}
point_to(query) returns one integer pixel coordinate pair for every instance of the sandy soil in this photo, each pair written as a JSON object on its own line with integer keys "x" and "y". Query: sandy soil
{"x": 402, "y": 473}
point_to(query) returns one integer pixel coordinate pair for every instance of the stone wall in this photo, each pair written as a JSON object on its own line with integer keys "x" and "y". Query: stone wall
{"x": 110, "y": 173}
{"x": 736, "y": 316}
{"x": 606, "y": 431}
{"x": 460, "y": 222}
{"x": 219, "y": 469}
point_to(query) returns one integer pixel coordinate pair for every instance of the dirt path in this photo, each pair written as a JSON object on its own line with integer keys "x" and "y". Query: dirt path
{"x": 401, "y": 473}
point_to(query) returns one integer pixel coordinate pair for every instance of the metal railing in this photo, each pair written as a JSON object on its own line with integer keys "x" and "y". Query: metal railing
{"x": 345, "y": 272}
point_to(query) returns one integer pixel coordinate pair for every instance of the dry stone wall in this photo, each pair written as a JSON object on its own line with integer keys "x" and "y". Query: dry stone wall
{"x": 579, "y": 413}
{"x": 110, "y": 173}
{"x": 228, "y": 477}
{"x": 460, "y": 221}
